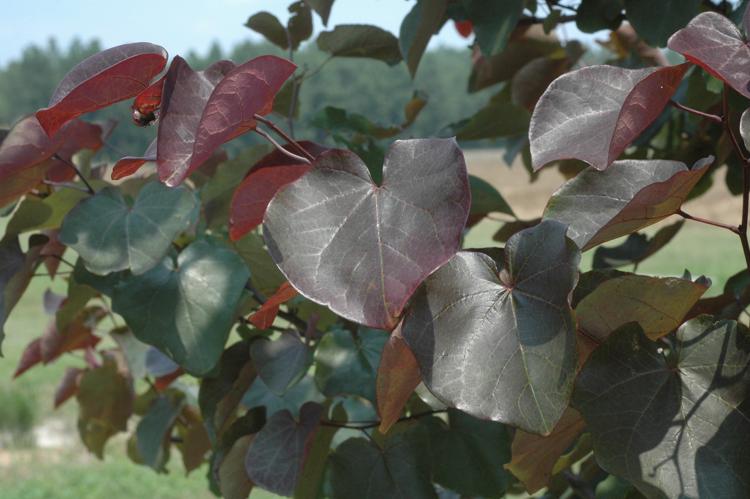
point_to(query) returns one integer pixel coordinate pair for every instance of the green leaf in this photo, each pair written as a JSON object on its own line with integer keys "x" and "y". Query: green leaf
{"x": 597, "y": 15}
{"x": 259, "y": 395}
{"x": 486, "y": 199}
{"x": 499, "y": 118}
{"x": 322, "y": 7}
{"x": 360, "y": 40}
{"x": 265, "y": 275}
{"x": 278, "y": 452}
{"x": 673, "y": 420}
{"x": 400, "y": 468}
{"x": 635, "y": 249}
{"x": 300, "y": 25}
{"x": 111, "y": 235}
{"x": 423, "y": 20}
{"x": 346, "y": 363}
{"x": 105, "y": 397}
{"x": 629, "y": 195}
{"x": 656, "y": 21}
{"x": 496, "y": 339}
{"x": 468, "y": 454}
{"x": 154, "y": 429}
{"x": 657, "y": 304}
{"x": 270, "y": 27}
{"x": 47, "y": 213}
{"x": 186, "y": 309}
{"x": 221, "y": 391}
{"x": 227, "y": 464}
{"x": 281, "y": 362}
{"x": 493, "y": 22}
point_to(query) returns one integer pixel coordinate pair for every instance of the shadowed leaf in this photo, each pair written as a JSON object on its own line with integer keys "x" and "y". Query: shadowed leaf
{"x": 16, "y": 270}
{"x": 493, "y": 22}
{"x": 270, "y": 27}
{"x": 656, "y": 21}
{"x": 154, "y": 429}
{"x": 360, "y": 40}
{"x": 497, "y": 339}
{"x": 263, "y": 318}
{"x": 423, "y": 20}
{"x": 397, "y": 377}
{"x": 129, "y": 165}
{"x": 68, "y": 385}
{"x": 635, "y": 249}
{"x": 281, "y": 362}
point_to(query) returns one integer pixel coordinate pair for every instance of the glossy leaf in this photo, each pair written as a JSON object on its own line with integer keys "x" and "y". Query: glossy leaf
{"x": 535, "y": 457}
{"x": 263, "y": 317}
{"x": 468, "y": 454}
{"x": 347, "y": 365}
{"x": 496, "y": 339}
{"x": 607, "y": 107}
{"x": 185, "y": 308}
{"x": 713, "y": 42}
{"x": 360, "y": 40}
{"x": 104, "y": 78}
{"x": 423, "y": 20}
{"x": 400, "y": 468}
{"x": 281, "y": 362}
{"x": 657, "y": 304}
{"x": 674, "y": 423}
{"x": 129, "y": 165}
{"x": 656, "y": 21}
{"x": 397, "y": 378}
{"x": 193, "y": 128}
{"x": 278, "y": 452}
{"x": 362, "y": 249}
{"x": 111, "y": 234}
{"x": 630, "y": 195}
{"x": 105, "y": 398}
{"x": 265, "y": 179}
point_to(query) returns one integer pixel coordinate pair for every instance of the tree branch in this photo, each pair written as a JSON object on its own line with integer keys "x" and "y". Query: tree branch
{"x": 688, "y": 216}
{"x": 78, "y": 172}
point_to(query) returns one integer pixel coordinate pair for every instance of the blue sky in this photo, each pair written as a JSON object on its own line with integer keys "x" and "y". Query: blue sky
{"x": 177, "y": 25}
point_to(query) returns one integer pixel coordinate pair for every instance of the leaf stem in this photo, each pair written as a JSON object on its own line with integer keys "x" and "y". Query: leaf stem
{"x": 690, "y": 110}
{"x": 66, "y": 185}
{"x": 280, "y": 148}
{"x": 281, "y": 133}
{"x": 364, "y": 425}
{"x": 78, "y": 172}
{"x": 688, "y": 216}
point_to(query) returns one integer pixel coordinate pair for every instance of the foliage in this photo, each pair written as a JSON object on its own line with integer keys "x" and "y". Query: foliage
{"x": 352, "y": 347}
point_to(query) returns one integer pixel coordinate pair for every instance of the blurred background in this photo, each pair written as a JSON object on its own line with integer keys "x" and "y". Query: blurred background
{"x": 40, "y": 454}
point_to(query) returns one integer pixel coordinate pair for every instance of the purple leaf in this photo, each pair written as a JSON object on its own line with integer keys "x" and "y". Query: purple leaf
{"x": 129, "y": 165}
{"x": 203, "y": 110}
{"x": 604, "y": 107}
{"x": 362, "y": 249}
{"x": 104, "y": 78}
{"x": 714, "y": 43}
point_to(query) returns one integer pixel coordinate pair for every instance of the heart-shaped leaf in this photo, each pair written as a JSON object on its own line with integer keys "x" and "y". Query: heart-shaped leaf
{"x": 362, "y": 249}
{"x": 111, "y": 235}
{"x": 270, "y": 27}
{"x": 400, "y": 468}
{"x": 605, "y": 107}
{"x": 657, "y": 304}
{"x": 203, "y": 110}
{"x": 278, "y": 452}
{"x": 497, "y": 340}
{"x": 672, "y": 420}
{"x": 104, "y": 78}
{"x": 265, "y": 179}
{"x": 185, "y": 308}
{"x": 281, "y": 362}
{"x": 360, "y": 40}
{"x": 631, "y": 194}
{"x": 714, "y": 43}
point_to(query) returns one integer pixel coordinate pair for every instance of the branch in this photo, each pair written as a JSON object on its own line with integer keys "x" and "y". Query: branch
{"x": 78, "y": 172}
{"x": 526, "y": 21}
{"x": 690, "y": 110}
{"x": 281, "y": 133}
{"x": 280, "y": 148}
{"x": 66, "y": 185}
{"x": 688, "y": 216}
{"x": 364, "y": 425}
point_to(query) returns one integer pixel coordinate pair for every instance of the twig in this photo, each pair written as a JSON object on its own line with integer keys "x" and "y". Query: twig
{"x": 525, "y": 21}
{"x": 688, "y": 216}
{"x": 280, "y": 148}
{"x": 67, "y": 185}
{"x": 57, "y": 257}
{"x": 78, "y": 172}
{"x": 281, "y": 133}
{"x": 363, "y": 425}
{"x": 690, "y": 110}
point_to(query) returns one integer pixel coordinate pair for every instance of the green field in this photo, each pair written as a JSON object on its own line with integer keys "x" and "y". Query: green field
{"x": 72, "y": 473}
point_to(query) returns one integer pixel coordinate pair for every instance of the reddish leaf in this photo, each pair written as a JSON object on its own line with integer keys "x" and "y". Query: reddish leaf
{"x": 78, "y": 135}
{"x": 68, "y": 385}
{"x": 464, "y": 28}
{"x": 52, "y": 251}
{"x": 78, "y": 335}
{"x": 265, "y": 179}
{"x": 192, "y": 127}
{"x": 163, "y": 382}
{"x": 264, "y": 317}
{"x": 605, "y": 106}
{"x": 104, "y": 78}
{"x": 129, "y": 165}
{"x": 147, "y": 102}
{"x": 534, "y": 456}
{"x": 31, "y": 356}
{"x": 398, "y": 376}
{"x": 714, "y": 43}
